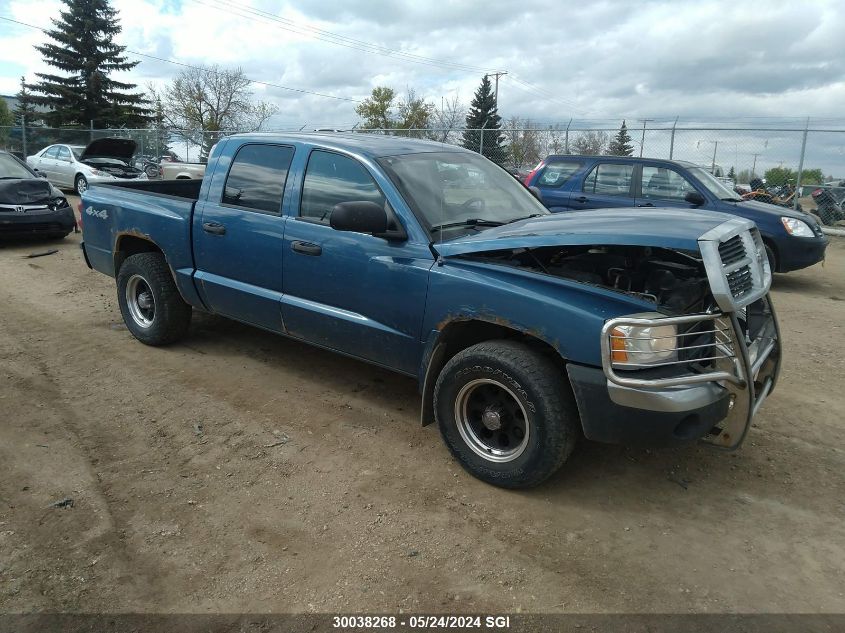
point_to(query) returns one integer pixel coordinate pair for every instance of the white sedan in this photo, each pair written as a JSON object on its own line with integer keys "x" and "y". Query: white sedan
{"x": 76, "y": 167}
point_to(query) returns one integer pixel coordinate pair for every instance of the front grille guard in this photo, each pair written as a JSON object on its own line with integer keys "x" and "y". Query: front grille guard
{"x": 747, "y": 368}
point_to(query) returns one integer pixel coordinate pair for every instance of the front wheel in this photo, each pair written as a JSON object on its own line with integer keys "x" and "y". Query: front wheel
{"x": 150, "y": 303}
{"x": 506, "y": 412}
{"x": 80, "y": 184}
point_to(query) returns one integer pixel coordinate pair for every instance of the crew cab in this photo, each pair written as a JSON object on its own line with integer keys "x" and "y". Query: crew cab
{"x": 524, "y": 329}
{"x": 793, "y": 239}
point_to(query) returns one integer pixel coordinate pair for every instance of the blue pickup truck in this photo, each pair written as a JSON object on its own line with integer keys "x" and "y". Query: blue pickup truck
{"x": 524, "y": 329}
{"x": 793, "y": 239}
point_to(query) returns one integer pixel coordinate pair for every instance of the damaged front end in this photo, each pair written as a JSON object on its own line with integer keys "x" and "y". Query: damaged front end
{"x": 699, "y": 362}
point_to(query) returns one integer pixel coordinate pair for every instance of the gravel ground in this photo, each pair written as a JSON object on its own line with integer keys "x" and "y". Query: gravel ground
{"x": 240, "y": 471}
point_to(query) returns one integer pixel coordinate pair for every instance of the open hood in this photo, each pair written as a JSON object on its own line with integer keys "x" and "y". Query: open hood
{"x": 122, "y": 148}
{"x": 26, "y": 191}
{"x": 664, "y": 228}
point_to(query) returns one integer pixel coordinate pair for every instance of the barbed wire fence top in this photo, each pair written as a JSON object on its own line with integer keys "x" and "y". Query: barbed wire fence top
{"x": 743, "y": 151}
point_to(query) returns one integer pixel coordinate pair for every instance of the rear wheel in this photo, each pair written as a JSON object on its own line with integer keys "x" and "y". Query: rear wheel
{"x": 506, "y": 412}
{"x": 80, "y": 184}
{"x": 150, "y": 303}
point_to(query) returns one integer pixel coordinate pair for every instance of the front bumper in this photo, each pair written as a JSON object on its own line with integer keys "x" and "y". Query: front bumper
{"x": 714, "y": 396}
{"x": 795, "y": 253}
{"x": 46, "y": 222}
{"x": 662, "y": 418}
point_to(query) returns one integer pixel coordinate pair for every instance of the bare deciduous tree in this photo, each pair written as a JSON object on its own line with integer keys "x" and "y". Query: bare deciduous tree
{"x": 590, "y": 143}
{"x": 448, "y": 119}
{"x": 523, "y": 141}
{"x": 203, "y": 104}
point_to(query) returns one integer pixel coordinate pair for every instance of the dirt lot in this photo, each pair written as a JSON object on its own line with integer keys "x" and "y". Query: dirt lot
{"x": 244, "y": 472}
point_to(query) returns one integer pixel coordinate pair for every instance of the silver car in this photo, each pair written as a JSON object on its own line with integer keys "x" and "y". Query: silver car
{"x": 76, "y": 167}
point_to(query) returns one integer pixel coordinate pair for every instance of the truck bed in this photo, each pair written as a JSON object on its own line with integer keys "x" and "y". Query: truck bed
{"x": 185, "y": 188}
{"x": 128, "y": 216}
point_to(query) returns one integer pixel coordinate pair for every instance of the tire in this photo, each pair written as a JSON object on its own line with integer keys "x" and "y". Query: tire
{"x": 80, "y": 184}
{"x": 485, "y": 394}
{"x": 150, "y": 303}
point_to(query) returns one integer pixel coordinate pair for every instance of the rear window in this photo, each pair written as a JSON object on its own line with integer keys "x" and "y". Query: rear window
{"x": 557, "y": 172}
{"x": 257, "y": 178}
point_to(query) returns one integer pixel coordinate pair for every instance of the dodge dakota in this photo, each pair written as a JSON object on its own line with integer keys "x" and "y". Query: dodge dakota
{"x": 524, "y": 329}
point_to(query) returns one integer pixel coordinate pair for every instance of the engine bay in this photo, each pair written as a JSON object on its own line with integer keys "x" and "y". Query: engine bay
{"x": 673, "y": 280}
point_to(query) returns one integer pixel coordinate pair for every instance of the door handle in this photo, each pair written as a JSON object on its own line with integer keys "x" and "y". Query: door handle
{"x": 581, "y": 199}
{"x": 307, "y": 248}
{"x": 646, "y": 204}
{"x": 215, "y": 228}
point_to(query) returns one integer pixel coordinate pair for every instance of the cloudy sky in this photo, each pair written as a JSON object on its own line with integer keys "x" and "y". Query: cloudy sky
{"x": 704, "y": 59}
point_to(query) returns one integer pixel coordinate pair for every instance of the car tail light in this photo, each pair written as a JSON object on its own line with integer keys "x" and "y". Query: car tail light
{"x": 816, "y": 193}
{"x": 79, "y": 219}
{"x": 539, "y": 166}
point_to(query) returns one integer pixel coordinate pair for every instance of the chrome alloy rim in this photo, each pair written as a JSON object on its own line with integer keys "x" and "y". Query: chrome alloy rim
{"x": 140, "y": 301}
{"x": 492, "y": 420}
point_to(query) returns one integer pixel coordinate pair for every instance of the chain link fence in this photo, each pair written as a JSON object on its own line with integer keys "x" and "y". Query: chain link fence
{"x": 805, "y": 157}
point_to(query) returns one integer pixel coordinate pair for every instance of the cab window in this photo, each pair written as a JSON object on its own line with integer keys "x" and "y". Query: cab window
{"x": 331, "y": 179}
{"x": 609, "y": 179}
{"x": 256, "y": 179}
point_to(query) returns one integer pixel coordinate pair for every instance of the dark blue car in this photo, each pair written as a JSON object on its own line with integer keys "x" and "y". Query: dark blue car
{"x": 793, "y": 239}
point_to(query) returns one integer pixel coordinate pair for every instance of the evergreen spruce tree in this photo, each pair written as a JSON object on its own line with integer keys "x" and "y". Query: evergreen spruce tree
{"x": 621, "y": 143}
{"x": 483, "y": 113}
{"x": 161, "y": 134}
{"x": 732, "y": 173}
{"x": 83, "y": 47}
{"x": 24, "y": 111}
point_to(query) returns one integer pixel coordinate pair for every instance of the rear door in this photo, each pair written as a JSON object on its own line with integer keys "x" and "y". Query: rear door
{"x": 607, "y": 185}
{"x": 553, "y": 181}
{"x": 663, "y": 186}
{"x": 238, "y": 240}
{"x": 64, "y": 167}
{"x": 46, "y": 163}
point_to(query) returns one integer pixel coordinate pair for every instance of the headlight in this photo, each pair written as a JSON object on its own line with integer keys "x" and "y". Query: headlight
{"x": 97, "y": 172}
{"x": 798, "y": 228}
{"x": 635, "y": 345}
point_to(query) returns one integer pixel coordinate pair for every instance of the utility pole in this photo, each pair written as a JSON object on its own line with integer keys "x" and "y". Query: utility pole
{"x": 754, "y": 164}
{"x": 497, "y": 75}
{"x": 713, "y": 166}
{"x": 642, "y": 142}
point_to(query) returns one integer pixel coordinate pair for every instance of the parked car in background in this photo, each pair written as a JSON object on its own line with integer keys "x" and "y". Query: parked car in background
{"x": 77, "y": 167}
{"x": 29, "y": 205}
{"x": 523, "y": 328}
{"x": 793, "y": 239}
{"x": 171, "y": 170}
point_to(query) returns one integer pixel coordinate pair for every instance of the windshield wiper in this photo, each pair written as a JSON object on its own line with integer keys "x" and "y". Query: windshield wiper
{"x": 732, "y": 199}
{"x": 526, "y": 217}
{"x": 467, "y": 222}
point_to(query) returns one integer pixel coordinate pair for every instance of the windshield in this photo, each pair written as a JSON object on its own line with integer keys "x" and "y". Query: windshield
{"x": 10, "y": 167}
{"x": 454, "y": 193}
{"x": 77, "y": 151}
{"x": 713, "y": 185}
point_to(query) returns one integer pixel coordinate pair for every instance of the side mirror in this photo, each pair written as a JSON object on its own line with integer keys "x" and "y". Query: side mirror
{"x": 535, "y": 191}
{"x": 39, "y": 173}
{"x": 359, "y": 216}
{"x": 695, "y": 198}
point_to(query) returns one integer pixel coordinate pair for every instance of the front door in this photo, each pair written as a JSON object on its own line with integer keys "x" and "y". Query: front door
{"x": 239, "y": 236}
{"x": 355, "y": 293}
{"x": 662, "y": 186}
{"x": 607, "y": 185}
